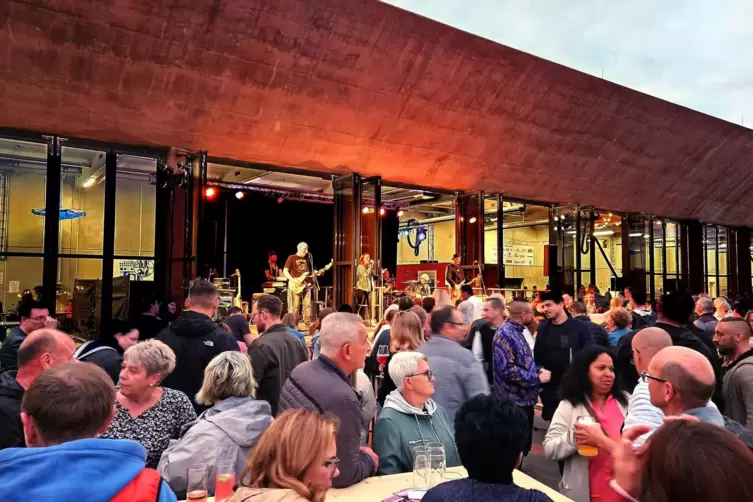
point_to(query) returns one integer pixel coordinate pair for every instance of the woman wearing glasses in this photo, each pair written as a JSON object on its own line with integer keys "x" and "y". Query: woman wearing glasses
{"x": 294, "y": 460}
{"x": 410, "y": 417}
{"x": 586, "y": 426}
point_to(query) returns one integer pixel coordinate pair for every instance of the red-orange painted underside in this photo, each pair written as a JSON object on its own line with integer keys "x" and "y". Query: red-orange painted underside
{"x": 357, "y": 85}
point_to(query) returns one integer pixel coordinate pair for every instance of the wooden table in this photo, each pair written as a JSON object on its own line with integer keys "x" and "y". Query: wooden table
{"x": 376, "y": 489}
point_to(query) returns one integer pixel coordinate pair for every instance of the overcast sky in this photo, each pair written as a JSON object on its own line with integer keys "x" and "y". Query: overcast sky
{"x": 697, "y": 53}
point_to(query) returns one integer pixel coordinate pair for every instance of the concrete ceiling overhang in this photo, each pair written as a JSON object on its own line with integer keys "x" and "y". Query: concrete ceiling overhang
{"x": 361, "y": 86}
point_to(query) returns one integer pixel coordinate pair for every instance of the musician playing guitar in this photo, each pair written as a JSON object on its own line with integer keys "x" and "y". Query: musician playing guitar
{"x": 454, "y": 277}
{"x": 299, "y": 270}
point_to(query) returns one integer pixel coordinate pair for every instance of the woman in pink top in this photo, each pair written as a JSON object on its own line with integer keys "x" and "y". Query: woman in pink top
{"x": 589, "y": 389}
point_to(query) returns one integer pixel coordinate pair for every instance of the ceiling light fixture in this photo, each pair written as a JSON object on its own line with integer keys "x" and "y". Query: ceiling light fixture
{"x": 89, "y": 182}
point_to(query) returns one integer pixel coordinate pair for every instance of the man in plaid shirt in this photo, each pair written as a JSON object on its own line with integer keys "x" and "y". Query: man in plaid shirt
{"x": 516, "y": 375}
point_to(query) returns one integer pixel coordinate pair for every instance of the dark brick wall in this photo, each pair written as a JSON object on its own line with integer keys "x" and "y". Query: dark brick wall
{"x": 357, "y": 85}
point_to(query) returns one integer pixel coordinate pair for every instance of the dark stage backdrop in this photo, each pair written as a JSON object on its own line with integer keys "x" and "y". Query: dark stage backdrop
{"x": 258, "y": 223}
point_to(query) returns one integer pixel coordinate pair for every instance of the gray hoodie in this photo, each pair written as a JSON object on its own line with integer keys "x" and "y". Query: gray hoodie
{"x": 226, "y": 431}
{"x": 401, "y": 427}
{"x": 738, "y": 390}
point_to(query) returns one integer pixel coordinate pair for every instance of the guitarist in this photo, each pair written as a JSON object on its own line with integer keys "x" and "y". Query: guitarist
{"x": 296, "y": 266}
{"x": 454, "y": 276}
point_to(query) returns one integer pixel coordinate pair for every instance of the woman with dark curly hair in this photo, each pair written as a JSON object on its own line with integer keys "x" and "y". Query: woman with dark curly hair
{"x": 586, "y": 425}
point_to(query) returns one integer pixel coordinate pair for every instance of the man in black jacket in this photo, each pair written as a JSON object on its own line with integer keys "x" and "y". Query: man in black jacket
{"x": 275, "y": 353}
{"x": 675, "y": 310}
{"x": 558, "y": 339}
{"x": 580, "y": 313}
{"x": 42, "y": 349}
{"x": 196, "y": 339}
{"x": 109, "y": 355}
{"x": 32, "y": 316}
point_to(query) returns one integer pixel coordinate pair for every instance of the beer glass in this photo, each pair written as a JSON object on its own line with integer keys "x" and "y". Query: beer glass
{"x": 587, "y": 450}
{"x": 197, "y": 483}
{"x": 421, "y": 468}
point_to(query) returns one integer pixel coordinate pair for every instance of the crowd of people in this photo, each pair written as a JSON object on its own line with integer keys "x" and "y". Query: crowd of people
{"x": 623, "y": 389}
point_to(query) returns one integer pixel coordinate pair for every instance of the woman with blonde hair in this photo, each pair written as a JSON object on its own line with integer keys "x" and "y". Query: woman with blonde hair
{"x": 722, "y": 308}
{"x": 226, "y": 432}
{"x": 294, "y": 460}
{"x": 406, "y": 335}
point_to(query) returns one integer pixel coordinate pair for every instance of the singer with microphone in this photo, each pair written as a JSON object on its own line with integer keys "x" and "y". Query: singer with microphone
{"x": 364, "y": 285}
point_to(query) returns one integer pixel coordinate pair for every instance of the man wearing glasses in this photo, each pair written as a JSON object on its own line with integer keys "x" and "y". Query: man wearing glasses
{"x": 459, "y": 375}
{"x": 681, "y": 381}
{"x": 515, "y": 374}
{"x": 33, "y": 316}
{"x": 646, "y": 344}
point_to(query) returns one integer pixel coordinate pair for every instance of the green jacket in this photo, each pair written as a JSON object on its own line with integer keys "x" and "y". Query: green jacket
{"x": 401, "y": 427}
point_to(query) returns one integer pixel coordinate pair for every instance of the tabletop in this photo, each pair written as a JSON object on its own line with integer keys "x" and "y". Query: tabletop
{"x": 378, "y": 488}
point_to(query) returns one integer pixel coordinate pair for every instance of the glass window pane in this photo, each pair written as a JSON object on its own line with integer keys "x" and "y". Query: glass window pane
{"x": 711, "y": 252}
{"x": 23, "y": 181}
{"x": 79, "y": 295}
{"x": 135, "y": 206}
{"x": 672, "y": 243}
{"x": 658, "y": 243}
{"x": 526, "y": 233}
{"x": 82, "y": 204}
{"x": 18, "y": 274}
{"x": 608, "y": 233}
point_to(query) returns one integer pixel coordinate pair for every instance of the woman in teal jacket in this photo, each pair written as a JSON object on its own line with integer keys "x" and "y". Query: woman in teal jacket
{"x": 410, "y": 418}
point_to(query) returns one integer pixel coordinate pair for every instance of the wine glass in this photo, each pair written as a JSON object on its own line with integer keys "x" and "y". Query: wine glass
{"x": 383, "y": 353}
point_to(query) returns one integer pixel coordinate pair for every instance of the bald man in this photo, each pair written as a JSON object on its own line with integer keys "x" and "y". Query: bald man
{"x": 732, "y": 340}
{"x": 295, "y": 266}
{"x": 646, "y": 344}
{"x": 42, "y": 349}
{"x": 681, "y": 381}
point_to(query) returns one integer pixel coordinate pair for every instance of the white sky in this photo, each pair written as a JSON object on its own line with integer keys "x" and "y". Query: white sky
{"x": 696, "y": 53}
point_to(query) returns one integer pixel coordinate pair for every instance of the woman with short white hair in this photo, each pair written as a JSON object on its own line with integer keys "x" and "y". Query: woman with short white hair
{"x": 722, "y": 308}
{"x": 225, "y": 432}
{"x": 145, "y": 411}
{"x": 410, "y": 417}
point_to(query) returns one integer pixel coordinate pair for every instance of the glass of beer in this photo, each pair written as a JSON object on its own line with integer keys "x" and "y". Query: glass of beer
{"x": 197, "y": 483}
{"x": 583, "y": 449}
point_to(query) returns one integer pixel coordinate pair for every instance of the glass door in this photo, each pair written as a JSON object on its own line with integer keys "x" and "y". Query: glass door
{"x": 347, "y": 202}
{"x": 371, "y": 214}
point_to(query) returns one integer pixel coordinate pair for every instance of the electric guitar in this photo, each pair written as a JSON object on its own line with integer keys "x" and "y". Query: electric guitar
{"x": 455, "y": 290}
{"x": 298, "y": 284}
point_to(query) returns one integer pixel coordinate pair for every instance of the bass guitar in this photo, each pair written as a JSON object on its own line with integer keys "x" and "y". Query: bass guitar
{"x": 298, "y": 284}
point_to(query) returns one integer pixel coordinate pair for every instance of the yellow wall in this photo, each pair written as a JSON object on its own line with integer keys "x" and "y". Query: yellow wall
{"x": 444, "y": 243}
{"x": 134, "y": 231}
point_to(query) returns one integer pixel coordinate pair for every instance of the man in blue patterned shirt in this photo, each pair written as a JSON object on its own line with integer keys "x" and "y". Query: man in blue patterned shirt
{"x": 516, "y": 375}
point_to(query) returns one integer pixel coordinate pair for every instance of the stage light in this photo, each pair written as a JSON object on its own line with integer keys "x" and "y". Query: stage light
{"x": 472, "y": 220}
{"x": 421, "y": 235}
{"x": 210, "y": 192}
{"x": 400, "y": 213}
{"x": 382, "y": 211}
{"x": 365, "y": 210}
{"x": 239, "y": 195}
{"x": 89, "y": 182}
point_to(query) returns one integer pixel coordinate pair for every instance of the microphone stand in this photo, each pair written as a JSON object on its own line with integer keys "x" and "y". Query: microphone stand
{"x": 314, "y": 291}
{"x": 481, "y": 276}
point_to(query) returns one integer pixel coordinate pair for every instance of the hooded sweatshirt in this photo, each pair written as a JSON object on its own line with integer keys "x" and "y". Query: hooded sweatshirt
{"x": 712, "y": 415}
{"x": 195, "y": 339}
{"x": 401, "y": 427}
{"x": 11, "y": 393}
{"x": 738, "y": 390}
{"x": 91, "y": 470}
{"x": 227, "y": 431}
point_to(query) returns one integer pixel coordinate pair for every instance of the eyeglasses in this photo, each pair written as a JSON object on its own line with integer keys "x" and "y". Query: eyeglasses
{"x": 456, "y": 323}
{"x": 428, "y": 374}
{"x": 646, "y": 377}
{"x": 332, "y": 463}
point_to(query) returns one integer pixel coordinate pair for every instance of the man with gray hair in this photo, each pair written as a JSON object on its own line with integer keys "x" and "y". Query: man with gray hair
{"x": 706, "y": 321}
{"x": 323, "y": 385}
{"x": 40, "y": 350}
